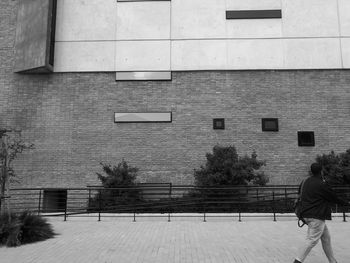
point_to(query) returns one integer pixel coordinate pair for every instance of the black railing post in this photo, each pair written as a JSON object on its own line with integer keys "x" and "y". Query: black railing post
{"x": 65, "y": 208}
{"x": 204, "y": 208}
{"x": 99, "y": 204}
{"x": 273, "y": 206}
{"x": 285, "y": 199}
{"x": 170, "y": 189}
{"x": 134, "y": 208}
{"x": 39, "y": 205}
{"x": 90, "y": 201}
{"x": 344, "y": 216}
{"x": 239, "y": 213}
{"x": 169, "y": 209}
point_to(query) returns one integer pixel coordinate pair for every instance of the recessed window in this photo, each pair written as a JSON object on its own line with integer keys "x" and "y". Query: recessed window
{"x": 139, "y": 0}
{"x": 253, "y": 14}
{"x": 54, "y": 200}
{"x": 219, "y": 124}
{"x": 269, "y": 124}
{"x": 144, "y": 75}
{"x": 306, "y": 138}
{"x": 53, "y": 32}
{"x": 132, "y": 117}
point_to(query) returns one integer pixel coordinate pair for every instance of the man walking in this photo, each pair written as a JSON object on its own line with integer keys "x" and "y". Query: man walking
{"x": 316, "y": 199}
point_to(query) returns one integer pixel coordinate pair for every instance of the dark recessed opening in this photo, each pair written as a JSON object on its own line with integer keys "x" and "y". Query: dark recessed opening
{"x": 53, "y": 32}
{"x": 253, "y": 14}
{"x": 269, "y": 124}
{"x": 218, "y": 124}
{"x": 306, "y": 138}
{"x": 54, "y": 201}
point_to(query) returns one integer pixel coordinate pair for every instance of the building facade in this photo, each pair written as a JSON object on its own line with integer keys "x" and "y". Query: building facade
{"x": 159, "y": 83}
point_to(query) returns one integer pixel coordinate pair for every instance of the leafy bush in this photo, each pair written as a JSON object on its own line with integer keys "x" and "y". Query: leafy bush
{"x": 120, "y": 176}
{"x": 336, "y": 167}
{"x": 5, "y": 227}
{"x": 225, "y": 168}
{"x": 24, "y": 228}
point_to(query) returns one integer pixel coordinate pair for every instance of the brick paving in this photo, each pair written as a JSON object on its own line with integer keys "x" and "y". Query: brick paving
{"x": 183, "y": 240}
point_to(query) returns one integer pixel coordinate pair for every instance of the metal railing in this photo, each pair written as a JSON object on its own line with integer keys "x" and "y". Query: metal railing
{"x": 164, "y": 200}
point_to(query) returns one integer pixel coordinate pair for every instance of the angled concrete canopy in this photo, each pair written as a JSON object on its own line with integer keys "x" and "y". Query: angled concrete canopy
{"x": 35, "y": 36}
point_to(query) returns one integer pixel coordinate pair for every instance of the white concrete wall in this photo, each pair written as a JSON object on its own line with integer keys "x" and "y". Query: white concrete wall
{"x": 227, "y": 54}
{"x": 106, "y": 35}
{"x": 344, "y": 17}
{"x": 86, "y": 20}
{"x": 312, "y": 53}
{"x": 346, "y": 52}
{"x": 143, "y": 55}
{"x": 81, "y": 56}
{"x": 143, "y": 20}
{"x": 85, "y": 35}
{"x": 311, "y": 18}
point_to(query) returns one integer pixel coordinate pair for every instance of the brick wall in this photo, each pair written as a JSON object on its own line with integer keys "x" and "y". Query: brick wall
{"x": 70, "y": 119}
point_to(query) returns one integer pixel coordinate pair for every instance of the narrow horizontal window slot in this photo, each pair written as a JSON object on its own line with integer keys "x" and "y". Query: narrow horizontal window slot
{"x": 140, "y": 0}
{"x": 144, "y": 75}
{"x": 253, "y": 14}
{"x": 133, "y": 117}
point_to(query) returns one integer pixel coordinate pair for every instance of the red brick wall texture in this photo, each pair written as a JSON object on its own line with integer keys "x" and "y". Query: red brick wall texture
{"x": 70, "y": 119}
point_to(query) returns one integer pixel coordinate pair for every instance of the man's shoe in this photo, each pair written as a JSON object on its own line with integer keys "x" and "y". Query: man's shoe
{"x": 296, "y": 261}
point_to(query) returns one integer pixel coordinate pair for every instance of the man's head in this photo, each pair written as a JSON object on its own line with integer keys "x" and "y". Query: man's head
{"x": 316, "y": 169}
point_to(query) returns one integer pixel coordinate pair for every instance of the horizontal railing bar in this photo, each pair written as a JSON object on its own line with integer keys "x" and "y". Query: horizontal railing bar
{"x": 174, "y": 188}
{"x": 165, "y": 199}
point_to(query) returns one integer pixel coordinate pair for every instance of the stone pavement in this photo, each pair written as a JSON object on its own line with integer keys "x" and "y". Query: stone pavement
{"x": 183, "y": 240}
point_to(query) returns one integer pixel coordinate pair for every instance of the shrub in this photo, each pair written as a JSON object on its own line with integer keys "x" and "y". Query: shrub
{"x": 225, "y": 168}
{"x": 34, "y": 228}
{"x": 336, "y": 167}
{"x": 5, "y": 226}
{"x": 23, "y": 229}
{"x": 120, "y": 176}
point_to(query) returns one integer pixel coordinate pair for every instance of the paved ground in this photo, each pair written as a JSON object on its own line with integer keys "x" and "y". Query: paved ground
{"x": 185, "y": 240}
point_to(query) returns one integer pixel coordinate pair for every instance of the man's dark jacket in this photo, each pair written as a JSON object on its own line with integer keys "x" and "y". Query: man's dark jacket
{"x": 316, "y": 199}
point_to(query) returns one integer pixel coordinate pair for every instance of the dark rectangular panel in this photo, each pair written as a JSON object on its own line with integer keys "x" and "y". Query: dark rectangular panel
{"x": 253, "y": 14}
{"x": 52, "y": 28}
{"x": 306, "y": 138}
{"x": 35, "y": 36}
{"x": 269, "y": 124}
{"x": 54, "y": 200}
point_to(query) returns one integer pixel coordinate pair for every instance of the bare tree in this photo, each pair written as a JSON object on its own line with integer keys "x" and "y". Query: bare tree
{"x": 11, "y": 144}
